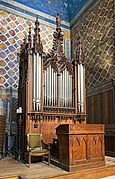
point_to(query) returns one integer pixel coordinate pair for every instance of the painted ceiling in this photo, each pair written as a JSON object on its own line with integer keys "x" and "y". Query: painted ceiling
{"x": 66, "y": 8}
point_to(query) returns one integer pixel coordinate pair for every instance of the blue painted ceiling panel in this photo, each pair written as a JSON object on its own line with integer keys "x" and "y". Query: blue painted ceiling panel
{"x": 74, "y": 6}
{"x": 66, "y": 8}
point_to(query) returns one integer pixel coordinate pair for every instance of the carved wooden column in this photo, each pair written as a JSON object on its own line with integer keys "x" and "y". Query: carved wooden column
{"x": 29, "y": 93}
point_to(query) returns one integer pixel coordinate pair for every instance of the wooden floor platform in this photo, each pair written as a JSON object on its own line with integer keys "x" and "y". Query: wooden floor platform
{"x": 12, "y": 169}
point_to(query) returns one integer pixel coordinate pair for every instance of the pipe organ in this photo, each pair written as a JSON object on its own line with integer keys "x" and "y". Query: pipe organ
{"x": 53, "y": 100}
{"x": 51, "y": 87}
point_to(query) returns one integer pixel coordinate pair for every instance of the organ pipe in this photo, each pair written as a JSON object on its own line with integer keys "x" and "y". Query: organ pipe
{"x": 52, "y": 87}
{"x": 37, "y": 82}
{"x": 47, "y": 96}
{"x": 39, "y": 94}
{"x": 56, "y": 89}
{"x": 61, "y": 89}
{"x": 34, "y": 79}
{"x": 45, "y": 88}
{"x": 66, "y": 87}
{"x": 80, "y": 88}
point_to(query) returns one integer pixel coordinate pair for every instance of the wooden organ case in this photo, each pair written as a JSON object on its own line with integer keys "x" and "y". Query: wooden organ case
{"x": 51, "y": 87}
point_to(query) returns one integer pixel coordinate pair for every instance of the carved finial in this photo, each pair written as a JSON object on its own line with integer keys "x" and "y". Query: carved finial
{"x": 57, "y": 21}
{"x": 29, "y": 37}
{"x": 37, "y": 22}
{"x": 37, "y": 42}
{"x": 79, "y": 51}
{"x": 25, "y": 40}
{"x": 36, "y": 34}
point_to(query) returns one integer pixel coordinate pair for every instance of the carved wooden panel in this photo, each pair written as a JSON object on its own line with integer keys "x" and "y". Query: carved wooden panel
{"x": 95, "y": 146}
{"x": 79, "y": 148}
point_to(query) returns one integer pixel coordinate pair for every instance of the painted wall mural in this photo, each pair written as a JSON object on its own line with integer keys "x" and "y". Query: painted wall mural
{"x": 13, "y": 30}
{"x": 97, "y": 31}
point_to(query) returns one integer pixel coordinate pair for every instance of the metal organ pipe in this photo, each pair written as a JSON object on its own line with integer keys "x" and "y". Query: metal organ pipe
{"x": 39, "y": 79}
{"x": 61, "y": 89}
{"x": 80, "y": 88}
{"x": 44, "y": 89}
{"x": 37, "y": 83}
{"x": 69, "y": 86}
{"x": 52, "y": 86}
{"x": 66, "y": 88}
{"x": 56, "y": 89}
{"x": 50, "y": 82}
{"x": 34, "y": 79}
{"x": 70, "y": 91}
{"x": 47, "y": 89}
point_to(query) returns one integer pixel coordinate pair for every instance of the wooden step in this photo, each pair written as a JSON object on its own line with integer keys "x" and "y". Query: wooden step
{"x": 88, "y": 174}
{"x": 10, "y": 177}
